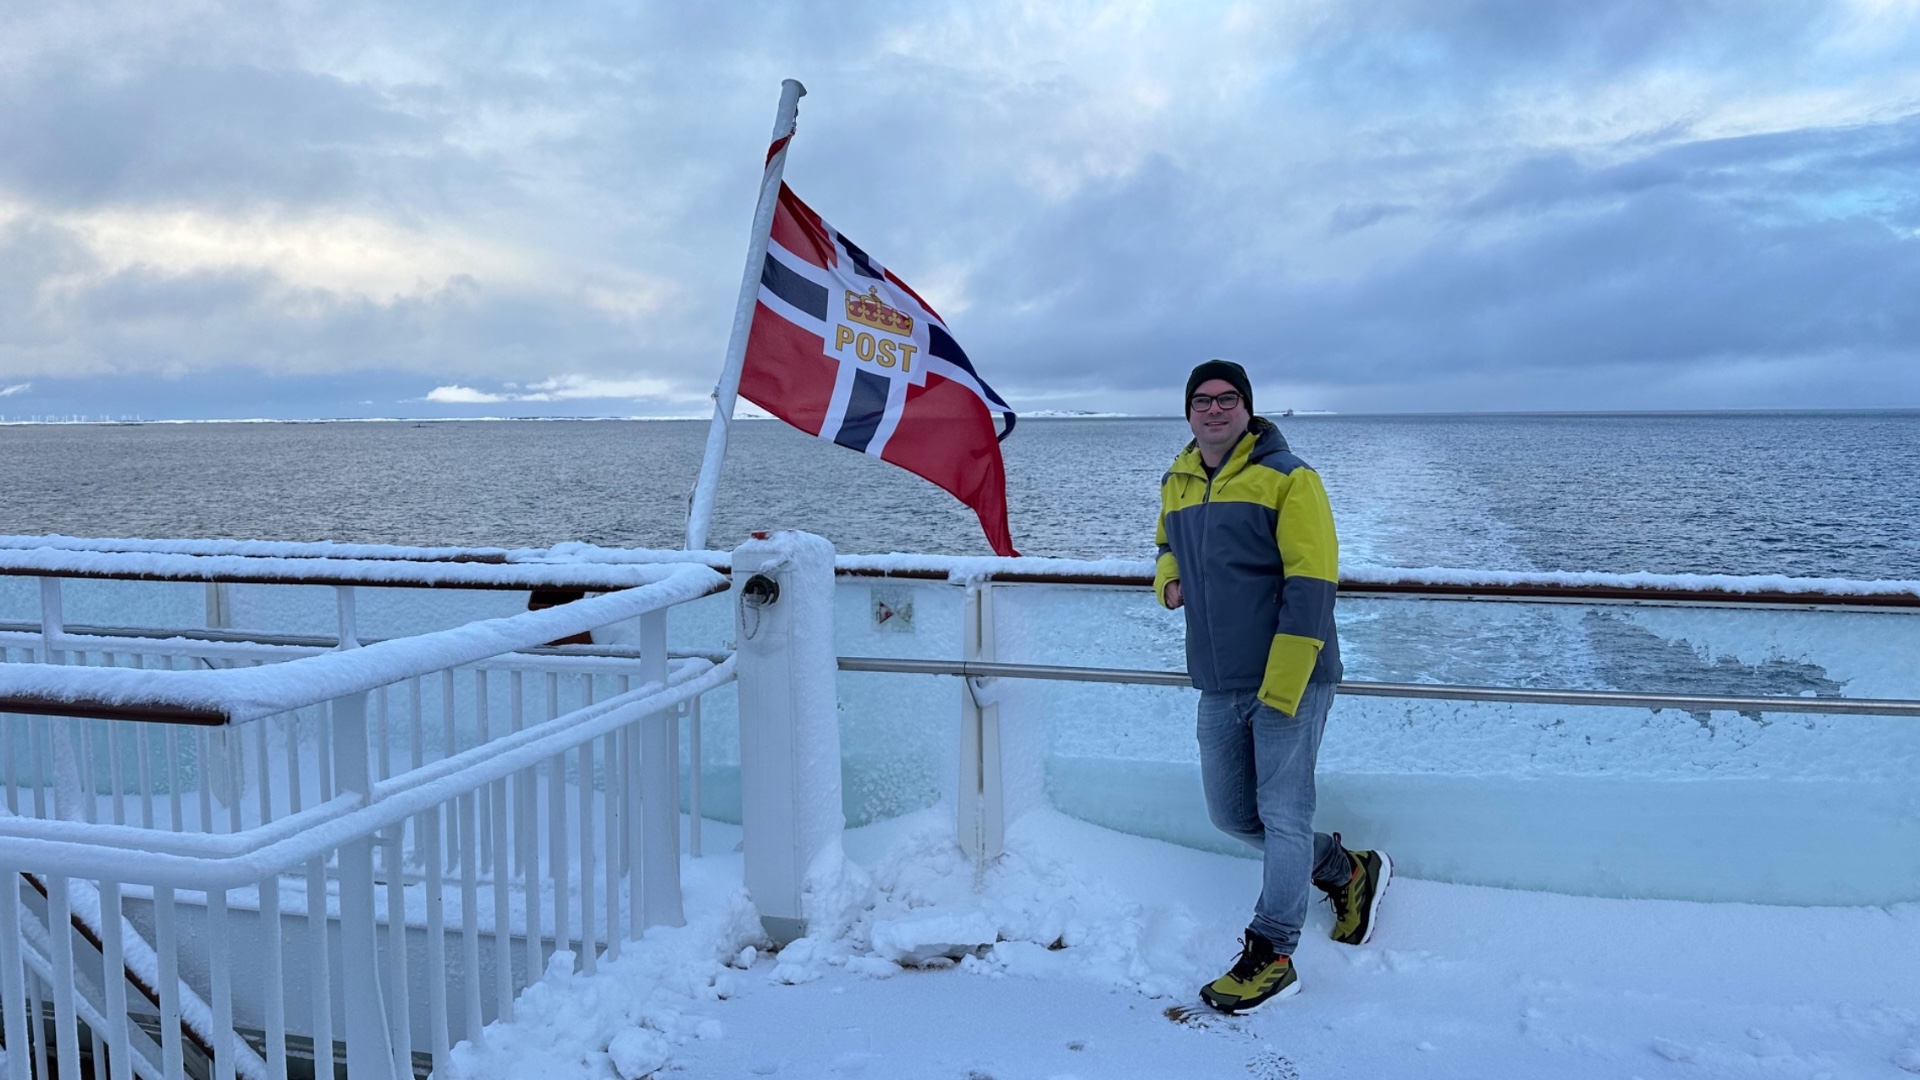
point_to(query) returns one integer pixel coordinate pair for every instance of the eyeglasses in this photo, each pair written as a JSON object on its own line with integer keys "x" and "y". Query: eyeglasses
{"x": 1228, "y": 401}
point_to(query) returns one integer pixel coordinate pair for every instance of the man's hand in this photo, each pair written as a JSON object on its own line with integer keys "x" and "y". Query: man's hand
{"x": 1173, "y": 593}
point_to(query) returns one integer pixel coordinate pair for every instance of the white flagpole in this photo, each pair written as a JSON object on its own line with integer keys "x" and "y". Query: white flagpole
{"x": 700, "y": 509}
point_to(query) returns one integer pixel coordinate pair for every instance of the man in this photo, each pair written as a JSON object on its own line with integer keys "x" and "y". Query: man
{"x": 1247, "y": 547}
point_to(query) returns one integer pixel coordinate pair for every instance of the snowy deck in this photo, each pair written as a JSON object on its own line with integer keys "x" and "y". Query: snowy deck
{"x": 1460, "y": 981}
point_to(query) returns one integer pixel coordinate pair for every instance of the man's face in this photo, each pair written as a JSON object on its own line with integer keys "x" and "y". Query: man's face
{"x": 1216, "y": 430}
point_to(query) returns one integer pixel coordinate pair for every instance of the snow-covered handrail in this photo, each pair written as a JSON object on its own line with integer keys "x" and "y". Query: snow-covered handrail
{"x": 233, "y": 860}
{"x": 239, "y": 695}
{"x": 315, "y": 570}
{"x": 590, "y": 566}
{"x": 1770, "y": 589}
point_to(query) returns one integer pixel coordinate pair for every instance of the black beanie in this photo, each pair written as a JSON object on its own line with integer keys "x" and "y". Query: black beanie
{"x": 1225, "y": 370}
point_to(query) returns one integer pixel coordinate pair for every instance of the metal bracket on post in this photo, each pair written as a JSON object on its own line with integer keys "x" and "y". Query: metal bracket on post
{"x": 369, "y": 1036}
{"x": 980, "y": 813}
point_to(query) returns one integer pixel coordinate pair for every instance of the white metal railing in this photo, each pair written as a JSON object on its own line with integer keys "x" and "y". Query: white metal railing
{"x": 203, "y": 838}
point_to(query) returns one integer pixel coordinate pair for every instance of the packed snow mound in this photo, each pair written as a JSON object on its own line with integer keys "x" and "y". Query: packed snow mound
{"x": 627, "y": 1019}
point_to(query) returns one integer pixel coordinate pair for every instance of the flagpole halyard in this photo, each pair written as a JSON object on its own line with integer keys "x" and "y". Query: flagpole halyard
{"x": 700, "y": 506}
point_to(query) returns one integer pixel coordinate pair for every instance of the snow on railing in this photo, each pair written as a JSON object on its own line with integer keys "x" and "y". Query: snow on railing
{"x": 502, "y": 790}
{"x": 566, "y": 561}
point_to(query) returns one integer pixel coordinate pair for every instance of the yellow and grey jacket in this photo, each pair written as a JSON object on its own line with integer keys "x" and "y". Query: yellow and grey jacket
{"x": 1254, "y": 550}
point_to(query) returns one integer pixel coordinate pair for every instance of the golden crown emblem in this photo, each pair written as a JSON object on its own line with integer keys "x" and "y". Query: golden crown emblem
{"x": 870, "y": 310}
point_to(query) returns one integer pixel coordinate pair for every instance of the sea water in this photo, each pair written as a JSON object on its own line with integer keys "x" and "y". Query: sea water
{"x": 1807, "y": 494}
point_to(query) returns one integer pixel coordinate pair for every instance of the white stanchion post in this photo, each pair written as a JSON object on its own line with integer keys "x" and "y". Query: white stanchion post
{"x": 659, "y": 788}
{"x": 980, "y": 810}
{"x": 789, "y": 720}
{"x": 369, "y": 1042}
{"x": 13, "y": 984}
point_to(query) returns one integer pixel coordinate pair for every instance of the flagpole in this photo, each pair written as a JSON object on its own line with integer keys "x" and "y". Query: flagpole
{"x": 700, "y": 507}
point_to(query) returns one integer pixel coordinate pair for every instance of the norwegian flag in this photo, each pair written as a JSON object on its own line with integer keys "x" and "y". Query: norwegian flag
{"x": 846, "y": 352}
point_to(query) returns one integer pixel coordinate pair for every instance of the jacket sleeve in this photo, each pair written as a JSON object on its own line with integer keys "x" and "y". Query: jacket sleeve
{"x": 1310, "y": 558}
{"x": 1165, "y": 567}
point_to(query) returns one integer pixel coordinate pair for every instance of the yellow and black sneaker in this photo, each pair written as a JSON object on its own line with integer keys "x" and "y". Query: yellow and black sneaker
{"x": 1357, "y": 902}
{"x": 1259, "y": 976}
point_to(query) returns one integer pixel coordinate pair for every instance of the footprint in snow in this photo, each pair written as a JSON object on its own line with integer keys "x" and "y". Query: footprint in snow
{"x": 1268, "y": 1065}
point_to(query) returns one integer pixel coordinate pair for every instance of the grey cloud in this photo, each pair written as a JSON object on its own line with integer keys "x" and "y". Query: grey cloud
{"x": 181, "y": 132}
{"x": 1691, "y": 256}
{"x": 1391, "y": 234}
{"x": 1869, "y": 158}
{"x": 1459, "y": 49}
{"x": 65, "y": 315}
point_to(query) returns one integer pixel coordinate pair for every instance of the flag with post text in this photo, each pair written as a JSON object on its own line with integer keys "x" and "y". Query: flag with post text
{"x": 845, "y": 351}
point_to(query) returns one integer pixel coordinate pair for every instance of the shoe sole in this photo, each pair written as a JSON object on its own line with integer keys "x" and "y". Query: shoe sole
{"x": 1292, "y": 989}
{"x": 1379, "y": 893}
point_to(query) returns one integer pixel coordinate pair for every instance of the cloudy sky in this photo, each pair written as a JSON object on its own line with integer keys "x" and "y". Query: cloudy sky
{"x": 458, "y": 209}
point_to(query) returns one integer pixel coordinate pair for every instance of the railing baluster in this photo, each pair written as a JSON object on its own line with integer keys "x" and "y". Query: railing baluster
{"x": 115, "y": 749}
{"x": 220, "y": 984}
{"x": 113, "y": 965}
{"x": 174, "y": 805}
{"x": 470, "y": 915}
{"x": 369, "y": 1046}
{"x": 400, "y": 995}
{"x": 143, "y": 744}
{"x": 7, "y": 763}
{"x": 203, "y": 746}
{"x": 517, "y": 716}
{"x": 610, "y": 813}
{"x": 636, "y": 833}
{"x": 437, "y": 973}
{"x": 696, "y": 806}
{"x": 37, "y": 734}
{"x": 528, "y": 837}
{"x": 319, "y": 980}
{"x": 587, "y": 891}
{"x": 273, "y": 984}
{"x": 236, "y": 759}
{"x": 485, "y": 735}
{"x": 382, "y": 738}
{"x": 526, "y": 792}
{"x": 261, "y": 756}
{"x": 296, "y": 794}
{"x": 557, "y": 848}
{"x": 502, "y": 903}
{"x": 83, "y": 753}
{"x": 60, "y": 935}
{"x": 166, "y": 944}
{"x": 660, "y": 785}
{"x": 446, "y": 751}
{"x": 417, "y": 731}
{"x": 323, "y": 755}
{"x": 36, "y": 995}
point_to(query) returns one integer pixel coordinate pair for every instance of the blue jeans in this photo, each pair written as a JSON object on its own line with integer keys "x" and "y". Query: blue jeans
{"x": 1256, "y": 764}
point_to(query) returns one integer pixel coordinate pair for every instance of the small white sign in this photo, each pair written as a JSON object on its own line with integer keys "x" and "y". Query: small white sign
{"x": 892, "y": 608}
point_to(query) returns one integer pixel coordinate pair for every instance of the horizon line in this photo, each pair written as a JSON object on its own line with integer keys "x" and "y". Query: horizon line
{"x": 81, "y": 420}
